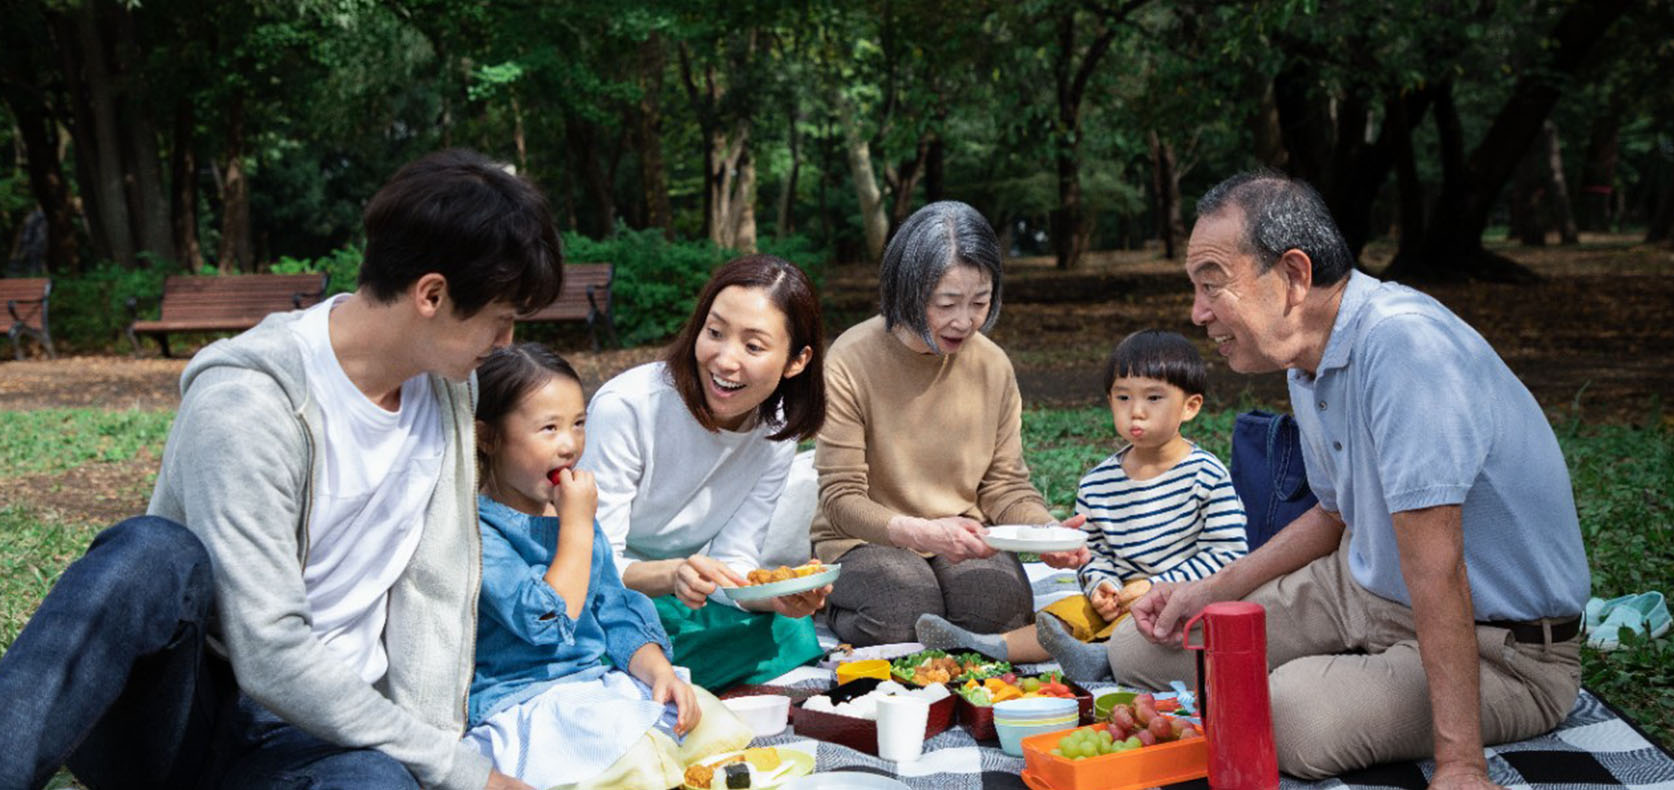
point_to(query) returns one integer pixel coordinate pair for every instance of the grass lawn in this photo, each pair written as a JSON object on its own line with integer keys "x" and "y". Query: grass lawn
{"x": 1623, "y": 478}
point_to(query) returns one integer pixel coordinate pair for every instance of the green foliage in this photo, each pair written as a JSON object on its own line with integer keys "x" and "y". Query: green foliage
{"x": 52, "y": 441}
{"x": 343, "y": 266}
{"x": 91, "y": 311}
{"x": 657, "y": 281}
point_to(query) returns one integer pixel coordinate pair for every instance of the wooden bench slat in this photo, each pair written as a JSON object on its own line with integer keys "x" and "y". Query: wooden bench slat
{"x": 586, "y": 296}
{"x": 26, "y": 300}
{"x": 225, "y": 303}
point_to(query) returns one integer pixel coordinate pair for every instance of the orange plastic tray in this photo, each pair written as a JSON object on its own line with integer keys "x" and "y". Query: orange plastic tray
{"x": 1151, "y": 766}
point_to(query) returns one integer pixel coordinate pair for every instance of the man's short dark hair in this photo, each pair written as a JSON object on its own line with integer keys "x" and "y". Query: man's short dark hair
{"x": 464, "y": 216}
{"x": 1155, "y": 354}
{"x": 1282, "y": 213}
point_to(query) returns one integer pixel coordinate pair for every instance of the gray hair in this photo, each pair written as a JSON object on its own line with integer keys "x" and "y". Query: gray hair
{"x": 1280, "y": 214}
{"x": 934, "y": 239}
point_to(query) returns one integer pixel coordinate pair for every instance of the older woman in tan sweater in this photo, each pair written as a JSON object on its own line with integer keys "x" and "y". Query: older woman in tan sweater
{"x": 921, "y": 447}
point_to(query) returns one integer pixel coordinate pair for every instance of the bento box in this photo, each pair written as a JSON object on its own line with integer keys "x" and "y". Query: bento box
{"x": 856, "y": 733}
{"x": 924, "y": 667}
{"x": 979, "y": 719}
{"x": 1149, "y": 766}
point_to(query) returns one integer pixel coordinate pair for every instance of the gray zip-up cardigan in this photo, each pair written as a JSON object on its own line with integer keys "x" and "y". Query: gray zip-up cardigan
{"x": 240, "y": 471}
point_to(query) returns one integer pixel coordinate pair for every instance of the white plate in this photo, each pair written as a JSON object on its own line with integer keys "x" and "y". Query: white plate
{"x": 844, "y": 780}
{"x": 775, "y": 589}
{"x": 1026, "y": 537}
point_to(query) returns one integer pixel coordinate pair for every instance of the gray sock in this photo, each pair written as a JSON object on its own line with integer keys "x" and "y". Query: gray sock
{"x": 940, "y": 634}
{"x": 1081, "y": 661}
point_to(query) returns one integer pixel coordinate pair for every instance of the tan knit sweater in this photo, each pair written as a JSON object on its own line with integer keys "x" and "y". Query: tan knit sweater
{"x": 923, "y": 435}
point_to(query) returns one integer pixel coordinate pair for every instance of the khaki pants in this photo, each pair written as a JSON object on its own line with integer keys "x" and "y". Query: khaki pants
{"x": 1347, "y": 686}
{"x": 656, "y": 762}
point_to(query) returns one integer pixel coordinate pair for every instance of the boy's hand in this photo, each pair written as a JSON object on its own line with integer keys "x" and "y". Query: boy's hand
{"x": 697, "y": 577}
{"x": 1104, "y": 601}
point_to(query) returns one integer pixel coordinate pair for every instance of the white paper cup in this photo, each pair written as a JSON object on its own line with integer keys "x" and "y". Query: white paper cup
{"x": 901, "y": 725}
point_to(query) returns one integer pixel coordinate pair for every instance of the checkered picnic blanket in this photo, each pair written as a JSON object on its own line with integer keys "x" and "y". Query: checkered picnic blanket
{"x": 1595, "y": 748}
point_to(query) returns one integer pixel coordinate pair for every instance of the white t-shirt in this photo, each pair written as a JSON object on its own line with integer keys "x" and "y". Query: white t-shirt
{"x": 668, "y": 487}
{"x": 375, "y": 476}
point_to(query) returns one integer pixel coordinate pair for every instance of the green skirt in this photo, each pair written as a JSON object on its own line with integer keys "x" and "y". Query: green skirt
{"x": 723, "y": 646}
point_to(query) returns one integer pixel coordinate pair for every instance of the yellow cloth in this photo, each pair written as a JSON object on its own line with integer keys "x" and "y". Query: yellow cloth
{"x": 656, "y": 762}
{"x": 1082, "y": 619}
{"x": 924, "y": 435}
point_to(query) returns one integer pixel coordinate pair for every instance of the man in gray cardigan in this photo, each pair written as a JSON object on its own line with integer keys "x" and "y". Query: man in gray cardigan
{"x": 313, "y": 525}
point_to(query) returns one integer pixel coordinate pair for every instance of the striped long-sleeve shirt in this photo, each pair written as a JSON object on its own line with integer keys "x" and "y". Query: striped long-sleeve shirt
{"x": 1181, "y": 525}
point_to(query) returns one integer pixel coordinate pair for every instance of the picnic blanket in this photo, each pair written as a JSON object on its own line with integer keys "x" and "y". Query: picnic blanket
{"x": 1595, "y": 748}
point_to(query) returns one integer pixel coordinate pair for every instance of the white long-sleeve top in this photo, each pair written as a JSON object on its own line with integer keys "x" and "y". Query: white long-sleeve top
{"x": 669, "y": 488}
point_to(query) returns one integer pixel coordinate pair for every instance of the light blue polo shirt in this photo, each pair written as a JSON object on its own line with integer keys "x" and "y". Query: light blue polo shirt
{"x": 1411, "y": 408}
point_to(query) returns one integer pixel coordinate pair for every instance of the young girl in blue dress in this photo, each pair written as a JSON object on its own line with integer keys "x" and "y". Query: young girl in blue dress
{"x": 573, "y": 686}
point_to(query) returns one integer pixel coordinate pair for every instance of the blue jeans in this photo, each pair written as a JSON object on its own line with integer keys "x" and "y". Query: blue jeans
{"x": 111, "y": 677}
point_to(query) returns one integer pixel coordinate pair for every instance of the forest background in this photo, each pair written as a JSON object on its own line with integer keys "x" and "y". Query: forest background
{"x": 138, "y": 140}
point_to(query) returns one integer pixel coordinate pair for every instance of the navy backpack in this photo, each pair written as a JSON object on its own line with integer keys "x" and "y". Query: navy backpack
{"x": 1268, "y": 473}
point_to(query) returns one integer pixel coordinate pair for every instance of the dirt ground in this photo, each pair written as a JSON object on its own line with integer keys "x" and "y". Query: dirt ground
{"x": 1597, "y": 334}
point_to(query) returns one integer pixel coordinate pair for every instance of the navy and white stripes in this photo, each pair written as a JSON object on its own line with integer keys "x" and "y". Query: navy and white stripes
{"x": 1181, "y": 525}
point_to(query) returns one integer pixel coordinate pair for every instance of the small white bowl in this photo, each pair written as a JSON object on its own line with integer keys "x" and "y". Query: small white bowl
{"x": 767, "y": 714}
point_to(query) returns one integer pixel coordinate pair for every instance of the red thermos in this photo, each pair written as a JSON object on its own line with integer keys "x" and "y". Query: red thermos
{"x": 1232, "y": 694}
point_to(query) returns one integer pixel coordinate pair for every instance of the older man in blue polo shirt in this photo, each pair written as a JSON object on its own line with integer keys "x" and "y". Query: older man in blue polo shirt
{"x": 1430, "y": 602}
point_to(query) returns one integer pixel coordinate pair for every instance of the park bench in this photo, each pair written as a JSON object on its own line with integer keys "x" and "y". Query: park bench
{"x": 26, "y": 301}
{"x": 585, "y": 297}
{"x": 224, "y": 303}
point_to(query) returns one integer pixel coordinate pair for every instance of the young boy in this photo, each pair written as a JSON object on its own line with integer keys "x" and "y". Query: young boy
{"x": 1159, "y": 509}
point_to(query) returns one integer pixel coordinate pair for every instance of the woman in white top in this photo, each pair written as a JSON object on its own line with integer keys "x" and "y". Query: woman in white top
{"x": 691, "y": 454}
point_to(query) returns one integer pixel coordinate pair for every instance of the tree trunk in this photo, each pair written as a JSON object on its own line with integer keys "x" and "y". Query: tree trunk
{"x": 1072, "y": 228}
{"x": 873, "y": 219}
{"x": 184, "y": 195}
{"x": 1266, "y": 133}
{"x": 905, "y": 183}
{"x": 653, "y": 172}
{"x": 1557, "y": 187}
{"x": 96, "y": 137}
{"x": 585, "y": 150}
{"x": 1359, "y": 170}
{"x": 1453, "y": 241}
{"x": 784, "y": 221}
{"x": 235, "y": 253}
{"x": 519, "y": 141}
{"x": 743, "y": 218}
{"x": 1598, "y": 175}
{"x": 1165, "y": 185}
{"x": 39, "y": 137}
{"x": 1409, "y": 188}
{"x": 1660, "y": 225}
{"x": 1305, "y": 122}
{"x": 1528, "y": 193}
{"x": 732, "y": 189}
{"x": 935, "y": 170}
{"x": 147, "y": 197}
